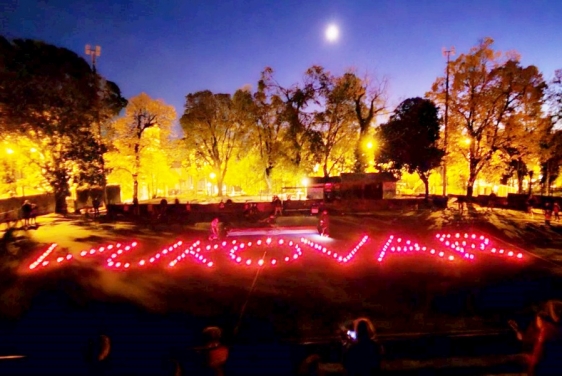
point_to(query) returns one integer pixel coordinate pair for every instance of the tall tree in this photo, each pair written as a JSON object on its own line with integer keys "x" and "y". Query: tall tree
{"x": 369, "y": 99}
{"x": 409, "y": 139}
{"x": 50, "y": 95}
{"x": 216, "y": 127}
{"x": 269, "y": 125}
{"x": 336, "y": 126}
{"x": 298, "y": 117}
{"x": 488, "y": 89}
{"x": 132, "y": 137}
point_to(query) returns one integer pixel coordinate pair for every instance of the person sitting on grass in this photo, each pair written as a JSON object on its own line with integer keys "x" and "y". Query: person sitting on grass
{"x": 364, "y": 355}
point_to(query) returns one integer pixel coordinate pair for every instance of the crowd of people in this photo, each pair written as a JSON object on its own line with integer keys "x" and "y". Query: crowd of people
{"x": 362, "y": 353}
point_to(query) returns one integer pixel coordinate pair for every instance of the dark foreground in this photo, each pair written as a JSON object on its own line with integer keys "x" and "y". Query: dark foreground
{"x": 155, "y": 315}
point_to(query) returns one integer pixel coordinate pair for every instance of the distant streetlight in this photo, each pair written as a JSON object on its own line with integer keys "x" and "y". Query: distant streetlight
{"x": 9, "y": 151}
{"x": 212, "y": 175}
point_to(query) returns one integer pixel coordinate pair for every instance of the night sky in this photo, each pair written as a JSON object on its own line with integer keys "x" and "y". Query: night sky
{"x": 171, "y": 48}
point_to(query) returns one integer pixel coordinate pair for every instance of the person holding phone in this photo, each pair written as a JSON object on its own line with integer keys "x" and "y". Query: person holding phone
{"x": 364, "y": 354}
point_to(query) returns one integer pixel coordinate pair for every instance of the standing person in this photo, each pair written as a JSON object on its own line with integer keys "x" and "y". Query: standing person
{"x": 547, "y": 213}
{"x": 324, "y": 224}
{"x": 33, "y": 215}
{"x": 530, "y": 203}
{"x": 556, "y": 211}
{"x": 363, "y": 357}
{"x": 277, "y": 206}
{"x": 460, "y": 203}
{"x": 163, "y": 210}
{"x": 96, "y": 206}
{"x": 215, "y": 228}
{"x": 26, "y": 213}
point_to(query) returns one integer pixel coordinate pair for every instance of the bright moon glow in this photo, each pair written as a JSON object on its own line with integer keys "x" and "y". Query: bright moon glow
{"x": 332, "y": 33}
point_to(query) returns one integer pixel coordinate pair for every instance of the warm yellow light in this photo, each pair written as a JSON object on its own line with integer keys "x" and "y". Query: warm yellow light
{"x": 212, "y": 175}
{"x": 9, "y": 151}
{"x": 33, "y": 150}
{"x": 305, "y": 182}
{"x": 369, "y": 145}
{"x": 467, "y": 141}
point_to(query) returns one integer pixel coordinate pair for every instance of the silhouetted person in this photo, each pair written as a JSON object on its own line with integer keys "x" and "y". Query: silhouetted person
{"x": 215, "y": 228}
{"x": 324, "y": 224}
{"x": 96, "y": 205}
{"x": 163, "y": 210}
{"x": 460, "y": 204}
{"x": 547, "y": 213}
{"x": 26, "y": 213}
{"x": 556, "y": 211}
{"x": 545, "y": 337}
{"x": 363, "y": 356}
{"x": 33, "y": 214}
{"x": 492, "y": 201}
{"x": 215, "y": 354}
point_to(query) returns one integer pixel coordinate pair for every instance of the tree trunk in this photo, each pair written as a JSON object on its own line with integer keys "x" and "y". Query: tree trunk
{"x": 359, "y": 159}
{"x": 219, "y": 187}
{"x": 472, "y": 177}
{"x": 268, "y": 182}
{"x": 519, "y": 183}
{"x": 469, "y": 189}
{"x": 60, "y": 202}
{"x": 547, "y": 178}
{"x": 531, "y": 173}
{"x": 425, "y": 181}
{"x": 136, "y": 169}
{"x": 62, "y": 191}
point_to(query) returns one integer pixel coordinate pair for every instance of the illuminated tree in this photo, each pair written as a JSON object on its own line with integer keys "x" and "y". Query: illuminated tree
{"x": 409, "y": 139}
{"x": 369, "y": 99}
{"x": 554, "y": 98}
{"x": 50, "y": 95}
{"x": 336, "y": 124}
{"x": 216, "y": 128}
{"x": 298, "y": 117}
{"x": 488, "y": 90}
{"x": 132, "y": 135}
{"x": 269, "y": 128}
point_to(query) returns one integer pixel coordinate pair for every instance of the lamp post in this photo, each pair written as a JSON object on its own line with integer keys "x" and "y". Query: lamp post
{"x": 305, "y": 185}
{"x": 446, "y": 53}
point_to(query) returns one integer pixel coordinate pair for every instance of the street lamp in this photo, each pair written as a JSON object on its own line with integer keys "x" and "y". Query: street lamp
{"x": 447, "y": 53}
{"x": 305, "y": 184}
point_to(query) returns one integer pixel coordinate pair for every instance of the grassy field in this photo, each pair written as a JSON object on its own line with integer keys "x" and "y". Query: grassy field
{"x": 311, "y": 296}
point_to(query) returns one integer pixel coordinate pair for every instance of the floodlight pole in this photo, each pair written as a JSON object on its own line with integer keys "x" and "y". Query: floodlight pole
{"x": 446, "y": 53}
{"x": 94, "y": 53}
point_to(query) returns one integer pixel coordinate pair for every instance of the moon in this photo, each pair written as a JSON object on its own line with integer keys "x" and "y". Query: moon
{"x": 332, "y": 33}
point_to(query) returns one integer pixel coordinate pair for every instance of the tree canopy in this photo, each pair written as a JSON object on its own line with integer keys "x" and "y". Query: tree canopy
{"x": 491, "y": 97}
{"x": 216, "y": 127}
{"x": 409, "y": 139}
{"x": 146, "y": 124}
{"x": 51, "y": 96}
